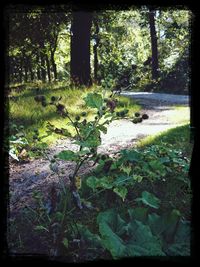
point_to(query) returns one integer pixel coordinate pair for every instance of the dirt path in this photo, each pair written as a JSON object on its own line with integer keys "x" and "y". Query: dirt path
{"x": 25, "y": 178}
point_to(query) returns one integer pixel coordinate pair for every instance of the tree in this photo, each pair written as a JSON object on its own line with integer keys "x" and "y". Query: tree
{"x": 95, "y": 48}
{"x": 80, "y": 47}
{"x": 154, "y": 45}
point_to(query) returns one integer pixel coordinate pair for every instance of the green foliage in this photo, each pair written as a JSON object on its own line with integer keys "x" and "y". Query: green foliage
{"x": 94, "y": 100}
{"x": 22, "y": 146}
{"x": 68, "y": 155}
{"x": 149, "y": 200}
{"x": 145, "y": 234}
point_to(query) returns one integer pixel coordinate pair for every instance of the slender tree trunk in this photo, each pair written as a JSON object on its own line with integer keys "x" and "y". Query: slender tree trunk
{"x": 54, "y": 67}
{"x": 21, "y": 71}
{"x": 80, "y": 48}
{"x": 154, "y": 45}
{"x": 38, "y": 67}
{"x": 25, "y": 70}
{"x": 48, "y": 68}
{"x": 30, "y": 69}
{"x": 43, "y": 69}
{"x": 95, "y": 51}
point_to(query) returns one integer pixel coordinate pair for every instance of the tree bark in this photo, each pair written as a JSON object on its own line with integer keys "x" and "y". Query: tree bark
{"x": 38, "y": 67}
{"x": 95, "y": 51}
{"x": 48, "y": 68}
{"x": 80, "y": 70}
{"x": 25, "y": 70}
{"x": 154, "y": 45}
{"x": 30, "y": 69}
{"x": 54, "y": 67}
{"x": 43, "y": 69}
{"x": 21, "y": 71}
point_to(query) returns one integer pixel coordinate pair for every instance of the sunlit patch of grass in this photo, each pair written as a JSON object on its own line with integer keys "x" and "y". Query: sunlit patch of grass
{"x": 181, "y": 114}
{"x": 179, "y": 137}
{"x": 127, "y": 103}
{"x": 23, "y": 110}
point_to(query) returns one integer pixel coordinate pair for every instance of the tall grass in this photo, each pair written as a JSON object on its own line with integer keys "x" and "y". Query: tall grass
{"x": 23, "y": 110}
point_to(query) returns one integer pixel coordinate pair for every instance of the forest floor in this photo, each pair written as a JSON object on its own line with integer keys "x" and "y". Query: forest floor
{"x": 164, "y": 113}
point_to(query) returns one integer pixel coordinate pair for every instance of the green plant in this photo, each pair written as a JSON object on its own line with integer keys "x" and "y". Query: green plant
{"x": 145, "y": 234}
{"x": 87, "y": 136}
{"x": 22, "y": 146}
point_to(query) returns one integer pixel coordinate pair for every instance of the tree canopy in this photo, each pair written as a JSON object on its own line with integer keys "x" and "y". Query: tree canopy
{"x": 151, "y": 45}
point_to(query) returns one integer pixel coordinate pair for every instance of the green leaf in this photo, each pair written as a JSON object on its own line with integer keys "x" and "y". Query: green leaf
{"x": 90, "y": 139}
{"x": 181, "y": 246}
{"x": 143, "y": 242}
{"x": 149, "y": 200}
{"x": 117, "y": 224}
{"x": 93, "y": 240}
{"x": 92, "y": 182}
{"x": 137, "y": 178}
{"x": 139, "y": 214}
{"x": 131, "y": 155}
{"x": 110, "y": 225}
{"x": 106, "y": 182}
{"x": 102, "y": 128}
{"x": 68, "y": 155}
{"x": 121, "y": 191}
{"x": 65, "y": 242}
{"x": 41, "y": 228}
{"x": 126, "y": 169}
{"x": 93, "y": 100}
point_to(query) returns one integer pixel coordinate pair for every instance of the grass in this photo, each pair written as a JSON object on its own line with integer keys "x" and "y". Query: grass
{"x": 178, "y": 137}
{"x": 23, "y": 110}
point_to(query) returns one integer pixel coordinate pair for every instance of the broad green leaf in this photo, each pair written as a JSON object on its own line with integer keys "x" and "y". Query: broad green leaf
{"x": 106, "y": 182}
{"x": 117, "y": 224}
{"x": 111, "y": 225}
{"x": 111, "y": 241}
{"x": 164, "y": 224}
{"x": 139, "y": 214}
{"x": 142, "y": 237}
{"x": 93, "y": 100}
{"x": 181, "y": 246}
{"x": 68, "y": 155}
{"x": 92, "y": 182}
{"x": 131, "y": 155}
{"x": 121, "y": 191}
{"x": 149, "y": 200}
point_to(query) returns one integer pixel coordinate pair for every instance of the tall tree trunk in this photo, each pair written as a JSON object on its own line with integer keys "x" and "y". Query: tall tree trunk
{"x": 43, "y": 69}
{"x": 80, "y": 48}
{"x": 30, "y": 69}
{"x": 38, "y": 67}
{"x": 95, "y": 51}
{"x": 154, "y": 45}
{"x": 25, "y": 70}
{"x": 21, "y": 71}
{"x": 54, "y": 67}
{"x": 48, "y": 68}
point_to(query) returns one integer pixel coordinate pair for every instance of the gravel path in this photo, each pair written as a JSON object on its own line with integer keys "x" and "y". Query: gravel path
{"x": 24, "y": 178}
{"x": 162, "y": 97}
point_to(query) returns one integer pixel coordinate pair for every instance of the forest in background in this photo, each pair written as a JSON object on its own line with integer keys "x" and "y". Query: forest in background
{"x": 136, "y": 49}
